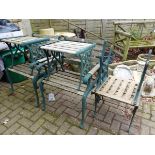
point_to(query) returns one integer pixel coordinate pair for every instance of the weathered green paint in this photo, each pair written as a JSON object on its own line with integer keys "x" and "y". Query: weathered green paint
{"x": 35, "y": 54}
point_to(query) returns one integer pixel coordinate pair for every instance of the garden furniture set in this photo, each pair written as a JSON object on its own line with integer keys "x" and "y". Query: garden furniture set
{"x": 46, "y": 65}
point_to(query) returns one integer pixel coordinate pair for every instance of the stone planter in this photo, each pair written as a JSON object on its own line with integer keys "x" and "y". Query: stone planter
{"x": 143, "y": 57}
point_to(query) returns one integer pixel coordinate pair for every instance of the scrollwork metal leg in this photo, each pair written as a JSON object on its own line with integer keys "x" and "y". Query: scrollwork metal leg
{"x": 84, "y": 104}
{"x": 41, "y": 85}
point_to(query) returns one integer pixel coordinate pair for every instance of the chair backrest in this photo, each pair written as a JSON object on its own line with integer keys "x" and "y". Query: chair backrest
{"x": 142, "y": 77}
{"x": 105, "y": 60}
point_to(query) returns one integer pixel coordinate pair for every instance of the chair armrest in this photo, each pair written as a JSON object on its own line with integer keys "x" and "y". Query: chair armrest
{"x": 90, "y": 74}
{"x": 39, "y": 66}
{"x": 33, "y": 64}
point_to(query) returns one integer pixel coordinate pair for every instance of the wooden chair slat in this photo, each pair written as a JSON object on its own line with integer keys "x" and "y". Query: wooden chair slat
{"x": 115, "y": 86}
{"x": 66, "y": 73}
{"x": 130, "y": 90}
{"x": 69, "y": 74}
{"x": 109, "y": 84}
{"x": 118, "y": 89}
{"x": 65, "y": 77}
{"x": 58, "y": 85}
{"x": 114, "y": 97}
{"x": 23, "y": 69}
{"x": 21, "y": 73}
{"x": 122, "y": 88}
{"x": 66, "y": 83}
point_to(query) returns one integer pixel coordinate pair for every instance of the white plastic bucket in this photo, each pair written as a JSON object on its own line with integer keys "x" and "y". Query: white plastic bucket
{"x": 49, "y": 32}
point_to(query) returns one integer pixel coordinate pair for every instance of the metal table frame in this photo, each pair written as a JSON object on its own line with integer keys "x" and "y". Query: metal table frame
{"x": 81, "y": 50}
{"x": 25, "y": 42}
{"x": 33, "y": 44}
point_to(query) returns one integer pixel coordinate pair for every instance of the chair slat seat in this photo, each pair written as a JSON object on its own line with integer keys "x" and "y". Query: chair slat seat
{"x": 118, "y": 89}
{"x": 23, "y": 69}
{"x": 66, "y": 80}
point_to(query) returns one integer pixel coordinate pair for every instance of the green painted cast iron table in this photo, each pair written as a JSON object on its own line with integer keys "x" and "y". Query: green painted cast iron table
{"x": 79, "y": 49}
{"x": 19, "y": 45}
{"x": 24, "y": 41}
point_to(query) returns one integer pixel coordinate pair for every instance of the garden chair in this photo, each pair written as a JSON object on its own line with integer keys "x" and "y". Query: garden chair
{"x": 119, "y": 90}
